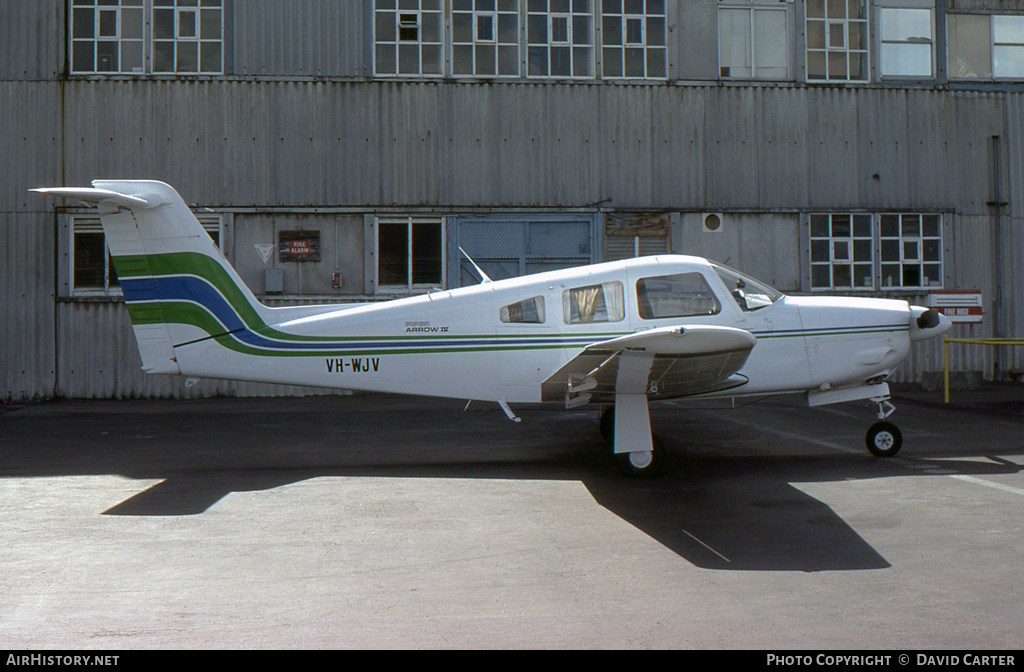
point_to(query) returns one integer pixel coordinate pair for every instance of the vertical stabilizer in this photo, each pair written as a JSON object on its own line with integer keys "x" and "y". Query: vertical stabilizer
{"x": 177, "y": 285}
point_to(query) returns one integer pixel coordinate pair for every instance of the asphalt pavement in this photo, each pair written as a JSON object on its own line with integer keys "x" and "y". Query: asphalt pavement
{"x": 370, "y": 521}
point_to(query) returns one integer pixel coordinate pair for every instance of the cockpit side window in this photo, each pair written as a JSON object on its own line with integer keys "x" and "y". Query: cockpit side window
{"x": 527, "y": 311}
{"x": 750, "y": 294}
{"x": 678, "y": 295}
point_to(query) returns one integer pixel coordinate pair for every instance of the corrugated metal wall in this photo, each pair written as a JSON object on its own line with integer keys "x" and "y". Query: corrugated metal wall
{"x": 299, "y": 127}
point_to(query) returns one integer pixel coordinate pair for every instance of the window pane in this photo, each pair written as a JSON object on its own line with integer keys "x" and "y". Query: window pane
{"x": 1008, "y": 61}
{"x": 1008, "y": 29}
{"x": 90, "y": 255}
{"x": 969, "y": 48}
{"x": 392, "y": 263}
{"x": 426, "y": 253}
{"x": 680, "y": 295}
{"x": 188, "y": 57}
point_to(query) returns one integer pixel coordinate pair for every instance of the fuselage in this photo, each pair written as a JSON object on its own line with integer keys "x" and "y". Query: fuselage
{"x": 500, "y": 340}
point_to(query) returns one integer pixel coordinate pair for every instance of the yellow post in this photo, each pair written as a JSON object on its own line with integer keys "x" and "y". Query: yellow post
{"x": 945, "y": 365}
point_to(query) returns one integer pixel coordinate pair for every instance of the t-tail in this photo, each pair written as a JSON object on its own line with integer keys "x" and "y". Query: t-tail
{"x": 177, "y": 285}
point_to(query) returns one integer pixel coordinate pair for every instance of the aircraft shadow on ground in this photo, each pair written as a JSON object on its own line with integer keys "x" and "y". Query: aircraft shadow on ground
{"x": 718, "y": 512}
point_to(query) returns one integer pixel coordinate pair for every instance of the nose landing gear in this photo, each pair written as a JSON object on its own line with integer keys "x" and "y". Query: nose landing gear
{"x": 884, "y": 438}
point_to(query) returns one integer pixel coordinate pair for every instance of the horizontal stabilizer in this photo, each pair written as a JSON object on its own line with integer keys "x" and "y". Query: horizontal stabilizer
{"x": 93, "y": 195}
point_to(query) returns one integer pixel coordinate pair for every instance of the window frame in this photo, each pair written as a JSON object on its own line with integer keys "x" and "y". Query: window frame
{"x": 753, "y": 7}
{"x": 648, "y": 17}
{"x": 828, "y": 49}
{"x": 148, "y": 43}
{"x": 88, "y": 222}
{"x": 617, "y": 304}
{"x": 410, "y": 221}
{"x": 644, "y": 295}
{"x": 881, "y": 41}
{"x": 476, "y": 44}
{"x": 986, "y": 23}
{"x": 570, "y": 43}
{"x": 430, "y": 8}
{"x": 881, "y": 243}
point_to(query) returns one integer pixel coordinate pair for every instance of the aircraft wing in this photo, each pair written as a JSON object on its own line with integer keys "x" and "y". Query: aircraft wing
{"x": 662, "y": 363}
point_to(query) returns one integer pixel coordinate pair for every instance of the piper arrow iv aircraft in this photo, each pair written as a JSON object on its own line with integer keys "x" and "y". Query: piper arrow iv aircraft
{"x": 620, "y": 333}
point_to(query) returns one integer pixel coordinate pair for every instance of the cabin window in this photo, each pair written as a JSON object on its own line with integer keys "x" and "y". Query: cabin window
{"x": 749, "y": 294}
{"x": 528, "y": 311}
{"x": 593, "y": 303}
{"x": 679, "y": 295}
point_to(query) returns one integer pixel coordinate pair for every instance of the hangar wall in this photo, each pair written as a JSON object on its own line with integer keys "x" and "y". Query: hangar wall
{"x": 298, "y": 134}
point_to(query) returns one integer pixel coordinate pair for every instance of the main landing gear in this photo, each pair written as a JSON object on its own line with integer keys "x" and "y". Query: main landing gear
{"x": 884, "y": 438}
{"x": 638, "y": 463}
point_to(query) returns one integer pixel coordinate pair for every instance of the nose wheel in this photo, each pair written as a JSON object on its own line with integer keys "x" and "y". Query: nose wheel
{"x": 884, "y": 438}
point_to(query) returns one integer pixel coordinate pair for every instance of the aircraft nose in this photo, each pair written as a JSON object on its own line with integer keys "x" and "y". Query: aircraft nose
{"x": 927, "y": 323}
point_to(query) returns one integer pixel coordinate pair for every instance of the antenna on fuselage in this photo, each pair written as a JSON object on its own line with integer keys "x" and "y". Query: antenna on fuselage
{"x": 484, "y": 278}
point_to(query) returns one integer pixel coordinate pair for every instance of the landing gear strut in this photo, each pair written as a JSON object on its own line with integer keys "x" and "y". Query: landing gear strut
{"x": 884, "y": 438}
{"x": 636, "y": 464}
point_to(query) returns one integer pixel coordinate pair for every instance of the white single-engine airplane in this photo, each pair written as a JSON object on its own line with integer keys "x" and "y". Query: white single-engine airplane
{"x": 620, "y": 333}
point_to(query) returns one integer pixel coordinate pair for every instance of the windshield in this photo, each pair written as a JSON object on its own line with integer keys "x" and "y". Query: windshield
{"x": 750, "y": 294}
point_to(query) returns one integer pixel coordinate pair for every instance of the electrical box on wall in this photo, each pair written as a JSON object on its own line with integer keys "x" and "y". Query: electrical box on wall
{"x": 273, "y": 281}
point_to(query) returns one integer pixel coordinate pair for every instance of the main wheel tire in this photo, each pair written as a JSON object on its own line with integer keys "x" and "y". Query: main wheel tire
{"x": 641, "y": 464}
{"x": 884, "y": 439}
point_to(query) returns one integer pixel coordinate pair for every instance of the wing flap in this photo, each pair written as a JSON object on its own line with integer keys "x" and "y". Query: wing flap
{"x": 684, "y": 361}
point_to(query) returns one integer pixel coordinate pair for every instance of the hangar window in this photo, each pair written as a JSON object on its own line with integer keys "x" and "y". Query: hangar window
{"x": 593, "y": 303}
{"x": 410, "y": 253}
{"x": 560, "y": 38}
{"x": 147, "y": 36}
{"x": 861, "y": 251}
{"x": 633, "y": 39}
{"x": 985, "y": 47}
{"x": 906, "y": 42}
{"x": 485, "y": 37}
{"x": 408, "y": 37}
{"x": 837, "y": 40}
{"x": 188, "y": 36}
{"x": 753, "y": 41}
{"x": 92, "y": 271}
{"x": 678, "y": 295}
{"x": 527, "y": 311}
{"x": 107, "y": 37}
